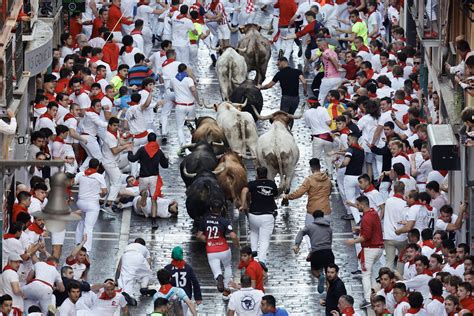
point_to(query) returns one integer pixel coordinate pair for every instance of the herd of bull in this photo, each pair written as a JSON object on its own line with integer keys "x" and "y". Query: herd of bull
{"x": 214, "y": 170}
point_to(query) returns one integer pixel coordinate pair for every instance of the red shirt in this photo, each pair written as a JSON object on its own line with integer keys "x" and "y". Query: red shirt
{"x": 468, "y": 303}
{"x": 74, "y": 28}
{"x": 96, "y": 25}
{"x": 371, "y": 230}
{"x": 62, "y": 86}
{"x": 287, "y": 10}
{"x": 351, "y": 70}
{"x": 111, "y": 55}
{"x": 308, "y": 29}
{"x": 17, "y": 209}
{"x": 115, "y": 21}
{"x": 255, "y": 271}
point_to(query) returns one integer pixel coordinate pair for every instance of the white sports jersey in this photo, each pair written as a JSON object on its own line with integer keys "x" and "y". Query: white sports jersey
{"x": 180, "y": 26}
{"x": 135, "y": 117}
{"x": 91, "y": 122}
{"x": 108, "y": 307}
{"x": 89, "y": 186}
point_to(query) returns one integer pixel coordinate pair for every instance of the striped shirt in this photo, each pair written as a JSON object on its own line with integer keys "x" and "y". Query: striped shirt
{"x": 216, "y": 8}
{"x": 137, "y": 73}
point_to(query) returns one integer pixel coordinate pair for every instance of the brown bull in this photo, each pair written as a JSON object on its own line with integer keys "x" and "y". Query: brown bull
{"x": 256, "y": 50}
{"x": 233, "y": 178}
{"x": 208, "y": 130}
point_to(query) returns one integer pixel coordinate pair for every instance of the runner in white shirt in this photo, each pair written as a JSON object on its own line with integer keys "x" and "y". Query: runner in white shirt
{"x": 112, "y": 146}
{"x": 166, "y": 208}
{"x": 423, "y": 275}
{"x": 169, "y": 70}
{"x": 186, "y": 98}
{"x": 436, "y": 306}
{"x": 137, "y": 35}
{"x": 110, "y": 301}
{"x": 398, "y": 156}
{"x": 91, "y": 187}
{"x": 11, "y": 282}
{"x": 79, "y": 96}
{"x": 245, "y": 301}
{"x": 421, "y": 165}
{"x": 144, "y": 10}
{"x": 181, "y": 25}
{"x": 42, "y": 278}
{"x": 367, "y": 125}
{"x": 68, "y": 307}
{"x": 417, "y": 216}
{"x": 47, "y": 120}
{"x": 71, "y": 120}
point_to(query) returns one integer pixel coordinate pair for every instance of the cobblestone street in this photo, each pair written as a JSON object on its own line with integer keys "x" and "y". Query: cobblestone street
{"x": 290, "y": 280}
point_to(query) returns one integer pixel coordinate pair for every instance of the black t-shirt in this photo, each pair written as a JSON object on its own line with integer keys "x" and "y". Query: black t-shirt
{"x": 354, "y": 168}
{"x": 289, "y": 81}
{"x": 262, "y": 193}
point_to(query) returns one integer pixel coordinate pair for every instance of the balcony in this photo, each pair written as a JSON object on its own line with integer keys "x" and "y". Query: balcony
{"x": 428, "y": 19}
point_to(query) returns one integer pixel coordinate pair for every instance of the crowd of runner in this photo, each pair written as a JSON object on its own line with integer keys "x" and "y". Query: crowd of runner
{"x": 123, "y": 66}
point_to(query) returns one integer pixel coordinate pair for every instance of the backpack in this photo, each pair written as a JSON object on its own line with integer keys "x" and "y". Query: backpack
{"x": 317, "y": 27}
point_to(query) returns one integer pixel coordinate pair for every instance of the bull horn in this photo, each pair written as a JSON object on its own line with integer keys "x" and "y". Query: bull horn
{"x": 234, "y": 29}
{"x": 242, "y": 50}
{"x": 266, "y": 27}
{"x": 221, "y": 143}
{"x": 192, "y": 145}
{"x": 260, "y": 117}
{"x": 187, "y": 174}
{"x": 298, "y": 116}
{"x": 240, "y": 104}
{"x": 208, "y": 106}
{"x": 219, "y": 156}
{"x": 217, "y": 171}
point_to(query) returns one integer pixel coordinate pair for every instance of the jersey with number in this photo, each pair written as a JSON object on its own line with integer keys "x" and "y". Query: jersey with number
{"x": 215, "y": 228}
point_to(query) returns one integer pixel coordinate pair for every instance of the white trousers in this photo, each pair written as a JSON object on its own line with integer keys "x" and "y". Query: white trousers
{"x": 352, "y": 191}
{"x": 384, "y": 188}
{"x": 328, "y": 84}
{"x": 183, "y": 112}
{"x": 321, "y": 150}
{"x": 215, "y": 259}
{"x": 193, "y": 56}
{"x": 135, "y": 268}
{"x": 261, "y": 228}
{"x": 135, "y": 166}
{"x": 372, "y": 255}
{"x": 90, "y": 213}
{"x": 286, "y": 45}
{"x": 114, "y": 176}
{"x": 166, "y": 111}
{"x": 37, "y": 293}
{"x": 92, "y": 149}
{"x": 147, "y": 40}
{"x": 340, "y": 182}
{"x": 182, "y": 54}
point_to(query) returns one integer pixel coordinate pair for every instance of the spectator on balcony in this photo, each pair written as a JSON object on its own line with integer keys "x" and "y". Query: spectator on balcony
{"x": 467, "y": 131}
{"x": 8, "y": 128}
{"x": 463, "y": 50}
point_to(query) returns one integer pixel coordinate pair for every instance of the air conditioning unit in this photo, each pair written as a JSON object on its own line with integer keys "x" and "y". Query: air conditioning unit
{"x": 444, "y": 147}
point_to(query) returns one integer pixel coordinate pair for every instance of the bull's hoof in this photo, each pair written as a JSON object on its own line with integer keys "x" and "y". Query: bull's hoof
{"x": 285, "y": 202}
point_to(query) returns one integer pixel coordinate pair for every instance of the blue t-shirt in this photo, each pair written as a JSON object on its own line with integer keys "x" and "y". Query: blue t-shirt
{"x": 278, "y": 312}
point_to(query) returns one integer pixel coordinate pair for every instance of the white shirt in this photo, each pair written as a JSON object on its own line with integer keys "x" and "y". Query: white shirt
{"x": 7, "y": 278}
{"x": 404, "y": 161}
{"x": 419, "y": 214}
{"x": 78, "y": 268}
{"x": 36, "y": 205}
{"x": 385, "y": 91}
{"x": 148, "y": 112}
{"x": 129, "y": 58}
{"x": 246, "y": 302}
{"x": 96, "y": 42}
{"x": 11, "y": 246}
{"x": 157, "y": 60}
{"x": 89, "y": 186}
{"x": 108, "y": 307}
{"x": 109, "y": 142}
{"x": 400, "y": 309}
{"x": 409, "y": 271}
{"x": 182, "y": 90}
{"x": 162, "y": 210}
{"x": 71, "y": 123}
{"x": 67, "y": 308}
{"x": 8, "y": 129}
{"x": 435, "y": 308}
{"x": 421, "y": 312}
{"x": 458, "y": 270}
{"x": 396, "y": 210}
{"x": 441, "y": 225}
{"x": 419, "y": 284}
{"x": 58, "y": 150}
{"x": 424, "y": 168}
{"x": 66, "y": 51}
{"x": 376, "y": 199}
{"x": 180, "y": 28}
{"x": 143, "y": 13}
{"x": 169, "y": 72}
{"x": 316, "y": 118}
{"x": 45, "y": 122}
{"x": 61, "y": 112}
{"x": 367, "y": 125}
{"x": 82, "y": 99}
{"x": 138, "y": 42}
{"x": 135, "y": 117}
{"x": 46, "y": 273}
{"x": 389, "y": 299}
{"x": 91, "y": 122}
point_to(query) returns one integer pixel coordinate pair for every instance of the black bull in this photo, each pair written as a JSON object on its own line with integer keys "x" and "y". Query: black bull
{"x": 248, "y": 91}
{"x": 202, "y": 158}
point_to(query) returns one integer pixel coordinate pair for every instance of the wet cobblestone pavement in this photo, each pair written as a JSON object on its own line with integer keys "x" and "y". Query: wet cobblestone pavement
{"x": 290, "y": 280}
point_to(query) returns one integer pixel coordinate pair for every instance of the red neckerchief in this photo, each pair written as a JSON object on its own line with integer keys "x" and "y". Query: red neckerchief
{"x": 413, "y": 310}
{"x": 438, "y": 298}
{"x": 90, "y": 171}
{"x": 178, "y": 263}
{"x": 369, "y": 73}
{"x": 9, "y": 236}
{"x": 162, "y": 53}
{"x": 131, "y": 103}
{"x": 399, "y": 196}
{"x": 8, "y": 267}
{"x": 401, "y": 153}
{"x": 427, "y": 206}
{"x": 443, "y": 172}
{"x": 428, "y": 243}
{"x": 404, "y": 299}
{"x": 39, "y": 106}
{"x": 455, "y": 265}
{"x": 399, "y": 102}
{"x": 364, "y": 48}
{"x": 173, "y": 9}
{"x": 152, "y": 148}
{"x": 167, "y": 62}
{"x": 180, "y": 16}
{"x": 427, "y": 272}
{"x": 388, "y": 289}
{"x": 372, "y": 95}
{"x": 348, "y": 311}
{"x": 128, "y": 49}
{"x": 98, "y": 96}
{"x": 121, "y": 77}
{"x": 80, "y": 92}
{"x": 356, "y": 146}
{"x": 408, "y": 97}
{"x": 93, "y": 59}
{"x": 369, "y": 188}
{"x": 135, "y": 31}
{"x": 46, "y": 115}
{"x": 213, "y": 5}
{"x": 402, "y": 64}
{"x": 113, "y": 133}
{"x": 358, "y": 20}
{"x": 438, "y": 269}
{"x": 98, "y": 78}
{"x": 345, "y": 131}
{"x": 105, "y": 296}
{"x": 51, "y": 263}
{"x": 68, "y": 116}
{"x": 92, "y": 110}
{"x": 165, "y": 288}
{"x": 411, "y": 262}
{"x": 35, "y": 228}
{"x": 59, "y": 140}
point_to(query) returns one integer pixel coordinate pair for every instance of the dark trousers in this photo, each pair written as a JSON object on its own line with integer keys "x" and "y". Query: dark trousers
{"x": 289, "y": 104}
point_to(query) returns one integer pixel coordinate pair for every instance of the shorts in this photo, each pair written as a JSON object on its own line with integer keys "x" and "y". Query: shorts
{"x": 223, "y": 32}
{"x": 58, "y": 238}
{"x": 150, "y": 184}
{"x": 321, "y": 259}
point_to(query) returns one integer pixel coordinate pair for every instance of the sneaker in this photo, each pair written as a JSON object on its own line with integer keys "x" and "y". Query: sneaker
{"x": 154, "y": 223}
{"x": 226, "y": 294}
{"x": 321, "y": 284}
{"x": 164, "y": 140}
{"x": 220, "y": 283}
{"x": 356, "y": 272}
{"x": 364, "y": 304}
{"x": 181, "y": 152}
{"x": 264, "y": 266}
{"x": 347, "y": 217}
{"x": 108, "y": 210}
{"x": 130, "y": 300}
{"x": 281, "y": 54}
{"x": 147, "y": 292}
{"x": 214, "y": 60}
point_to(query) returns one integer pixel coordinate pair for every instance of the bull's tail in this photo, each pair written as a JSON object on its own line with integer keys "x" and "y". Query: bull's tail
{"x": 243, "y": 126}
{"x": 282, "y": 185}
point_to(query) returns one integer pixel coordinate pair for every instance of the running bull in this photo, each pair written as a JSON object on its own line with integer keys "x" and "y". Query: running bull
{"x": 208, "y": 130}
{"x": 248, "y": 91}
{"x": 201, "y": 158}
{"x": 233, "y": 177}
{"x": 231, "y": 71}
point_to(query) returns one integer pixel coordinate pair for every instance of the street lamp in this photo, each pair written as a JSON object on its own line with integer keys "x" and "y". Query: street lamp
{"x": 57, "y": 213}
